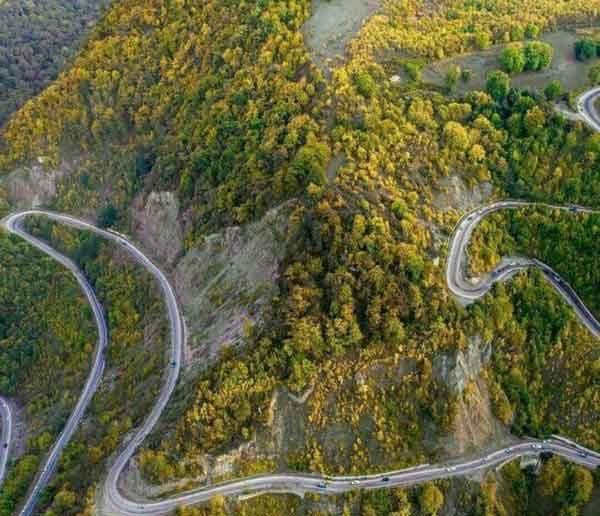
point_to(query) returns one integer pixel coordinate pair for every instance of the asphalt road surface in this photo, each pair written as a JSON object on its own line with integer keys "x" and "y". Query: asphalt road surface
{"x": 112, "y": 499}
{"x": 7, "y": 432}
{"x": 587, "y": 110}
{"x": 469, "y": 290}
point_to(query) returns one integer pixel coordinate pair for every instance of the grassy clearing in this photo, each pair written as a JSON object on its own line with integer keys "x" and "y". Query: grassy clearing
{"x": 571, "y": 73}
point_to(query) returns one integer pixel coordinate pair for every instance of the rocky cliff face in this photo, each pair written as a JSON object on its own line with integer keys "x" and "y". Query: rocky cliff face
{"x": 156, "y": 224}
{"x": 475, "y": 427}
{"x": 35, "y": 184}
{"x": 454, "y": 193}
{"x": 459, "y": 369}
{"x": 227, "y": 281}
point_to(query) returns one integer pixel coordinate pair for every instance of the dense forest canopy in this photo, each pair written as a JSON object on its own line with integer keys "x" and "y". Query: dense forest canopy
{"x": 37, "y": 38}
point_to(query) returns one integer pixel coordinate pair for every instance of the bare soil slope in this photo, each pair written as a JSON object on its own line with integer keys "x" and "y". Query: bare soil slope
{"x": 333, "y": 24}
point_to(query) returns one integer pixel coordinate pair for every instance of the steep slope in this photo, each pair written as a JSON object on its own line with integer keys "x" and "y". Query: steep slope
{"x": 216, "y": 100}
{"x": 185, "y": 122}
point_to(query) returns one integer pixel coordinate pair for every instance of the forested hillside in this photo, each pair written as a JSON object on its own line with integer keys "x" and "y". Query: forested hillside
{"x": 218, "y": 99}
{"x": 358, "y": 362}
{"x": 47, "y": 337}
{"x": 566, "y": 241}
{"x": 134, "y": 361}
{"x": 37, "y": 38}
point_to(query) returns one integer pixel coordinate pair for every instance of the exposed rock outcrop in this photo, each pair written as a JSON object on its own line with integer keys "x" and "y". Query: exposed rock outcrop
{"x": 459, "y": 369}
{"x": 475, "y": 426}
{"x": 332, "y": 26}
{"x": 226, "y": 282}
{"x": 157, "y": 226}
{"x": 453, "y": 193}
{"x": 36, "y": 184}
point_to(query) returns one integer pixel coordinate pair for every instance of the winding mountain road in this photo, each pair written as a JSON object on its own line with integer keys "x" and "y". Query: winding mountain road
{"x": 470, "y": 290}
{"x": 13, "y": 224}
{"x": 112, "y": 499}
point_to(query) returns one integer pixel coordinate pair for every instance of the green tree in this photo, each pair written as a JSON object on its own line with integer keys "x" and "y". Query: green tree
{"x": 399, "y": 208}
{"x": 585, "y": 49}
{"x": 452, "y": 77}
{"x": 309, "y": 165}
{"x": 107, "y": 216}
{"x": 482, "y": 40}
{"x": 413, "y": 69}
{"x": 64, "y": 501}
{"x": 513, "y": 59}
{"x": 517, "y": 33}
{"x": 532, "y": 31}
{"x": 365, "y": 84}
{"x": 582, "y": 485}
{"x": 538, "y": 55}
{"x": 498, "y": 85}
{"x": 553, "y": 90}
{"x": 456, "y": 136}
{"x": 594, "y": 74}
{"x": 534, "y": 120}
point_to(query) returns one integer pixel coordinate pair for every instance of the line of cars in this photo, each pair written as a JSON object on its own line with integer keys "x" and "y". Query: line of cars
{"x": 324, "y": 484}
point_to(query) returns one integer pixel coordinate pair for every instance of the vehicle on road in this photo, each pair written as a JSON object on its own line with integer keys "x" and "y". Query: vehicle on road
{"x": 355, "y": 482}
{"x": 385, "y": 479}
{"x": 322, "y": 485}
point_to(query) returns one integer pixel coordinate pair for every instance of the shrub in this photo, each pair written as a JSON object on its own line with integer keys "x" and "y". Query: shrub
{"x": 553, "y": 90}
